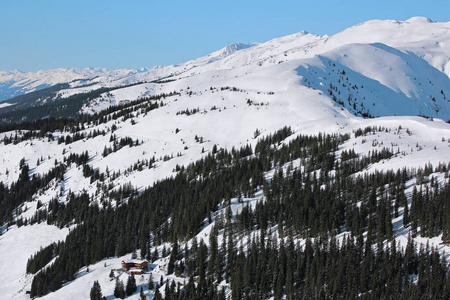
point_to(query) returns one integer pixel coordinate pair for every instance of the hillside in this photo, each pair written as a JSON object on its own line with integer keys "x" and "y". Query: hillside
{"x": 388, "y": 66}
{"x": 252, "y": 172}
{"x": 15, "y": 83}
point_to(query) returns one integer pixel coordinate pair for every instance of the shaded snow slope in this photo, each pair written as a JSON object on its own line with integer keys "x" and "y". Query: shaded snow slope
{"x": 389, "y": 83}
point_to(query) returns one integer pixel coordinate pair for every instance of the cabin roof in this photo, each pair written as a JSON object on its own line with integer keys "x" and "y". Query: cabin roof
{"x": 134, "y": 261}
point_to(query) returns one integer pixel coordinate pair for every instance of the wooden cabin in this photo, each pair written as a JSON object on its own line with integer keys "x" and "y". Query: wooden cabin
{"x": 135, "y": 266}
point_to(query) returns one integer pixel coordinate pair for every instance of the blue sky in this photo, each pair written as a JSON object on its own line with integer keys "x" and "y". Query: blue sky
{"x": 45, "y": 34}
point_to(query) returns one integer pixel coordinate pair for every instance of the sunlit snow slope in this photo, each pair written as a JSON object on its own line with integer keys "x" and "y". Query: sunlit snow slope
{"x": 230, "y": 98}
{"x": 377, "y": 68}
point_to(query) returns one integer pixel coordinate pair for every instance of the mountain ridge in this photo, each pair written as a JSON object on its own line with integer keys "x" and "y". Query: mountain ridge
{"x": 293, "y": 144}
{"x": 414, "y": 47}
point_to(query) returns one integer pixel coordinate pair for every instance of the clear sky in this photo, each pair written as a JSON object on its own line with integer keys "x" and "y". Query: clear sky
{"x": 45, "y": 34}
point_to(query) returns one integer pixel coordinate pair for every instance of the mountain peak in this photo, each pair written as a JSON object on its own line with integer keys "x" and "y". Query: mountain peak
{"x": 228, "y": 50}
{"x": 233, "y": 48}
{"x": 420, "y": 20}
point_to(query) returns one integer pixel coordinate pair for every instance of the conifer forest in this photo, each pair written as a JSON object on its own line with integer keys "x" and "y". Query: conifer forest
{"x": 322, "y": 230}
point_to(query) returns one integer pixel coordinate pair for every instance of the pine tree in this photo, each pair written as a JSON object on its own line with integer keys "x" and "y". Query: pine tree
{"x": 213, "y": 251}
{"x": 155, "y": 254}
{"x": 157, "y": 295}
{"x": 111, "y": 275}
{"x": 167, "y": 293}
{"x": 173, "y": 290}
{"x": 131, "y": 285}
{"x": 141, "y": 294}
{"x": 119, "y": 290}
{"x": 389, "y": 227}
{"x": 173, "y": 258}
{"x": 406, "y": 215}
{"x": 96, "y": 291}
{"x": 116, "y": 288}
{"x": 151, "y": 285}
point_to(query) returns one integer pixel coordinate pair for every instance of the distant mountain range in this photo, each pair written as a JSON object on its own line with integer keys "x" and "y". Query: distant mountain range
{"x": 377, "y": 68}
{"x": 303, "y": 167}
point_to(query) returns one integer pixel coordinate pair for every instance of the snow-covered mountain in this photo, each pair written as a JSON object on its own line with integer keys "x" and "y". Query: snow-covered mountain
{"x": 15, "y": 83}
{"x": 172, "y": 116}
{"x": 377, "y": 68}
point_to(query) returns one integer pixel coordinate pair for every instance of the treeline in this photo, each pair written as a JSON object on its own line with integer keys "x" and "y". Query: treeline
{"x": 316, "y": 201}
{"x": 430, "y": 210}
{"x": 327, "y": 269}
{"x": 119, "y": 144}
{"x": 65, "y": 108}
{"x": 27, "y": 100}
{"x": 41, "y": 258}
{"x": 322, "y": 268}
{"x": 76, "y": 122}
{"x": 25, "y": 107}
{"x": 187, "y": 199}
{"x": 24, "y": 188}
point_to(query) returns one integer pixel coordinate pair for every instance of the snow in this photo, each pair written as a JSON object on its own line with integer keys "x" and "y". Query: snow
{"x": 403, "y": 67}
{"x": 16, "y": 246}
{"x": 409, "y": 58}
{"x": 18, "y": 83}
{"x": 230, "y": 49}
{"x": 2, "y": 105}
{"x": 396, "y": 66}
{"x": 233, "y": 126}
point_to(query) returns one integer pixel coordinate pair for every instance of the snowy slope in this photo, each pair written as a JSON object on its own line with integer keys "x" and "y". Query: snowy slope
{"x": 405, "y": 60}
{"x": 391, "y": 69}
{"x": 14, "y": 83}
{"x": 418, "y": 142}
{"x": 16, "y": 246}
{"x": 389, "y": 83}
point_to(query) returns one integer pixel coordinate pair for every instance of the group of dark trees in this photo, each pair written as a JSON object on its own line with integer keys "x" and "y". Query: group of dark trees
{"x": 328, "y": 269}
{"x": 26, "y": 107}
{"x": 430, "y": 210}
{"x": 41, "y": 258}
{"x": 22, "y": 191}
{"x": 96, "y": 292}
{"x": 26, "y": 102}
{"x": 121, "y": 291}
{"x": 76, "y": 123}
{"x": 118, "y": 144}
{"x": 317, "y": 201}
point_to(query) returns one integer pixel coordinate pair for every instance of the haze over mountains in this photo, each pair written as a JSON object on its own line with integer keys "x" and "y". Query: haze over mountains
{"x": 380, "y": 90}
